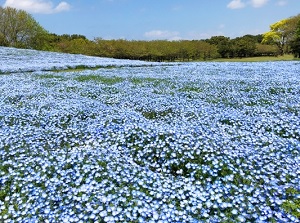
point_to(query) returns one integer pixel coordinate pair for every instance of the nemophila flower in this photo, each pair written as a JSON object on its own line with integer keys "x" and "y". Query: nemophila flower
{"x": 234, "y": 212}
{"x": 71, "y": 146}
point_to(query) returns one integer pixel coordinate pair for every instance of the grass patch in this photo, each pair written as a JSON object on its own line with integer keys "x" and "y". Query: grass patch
{"x": 97, "y": 78}
{"x": 292, "y": 204}
{"x": 279, "y": 90}
{"x": 151, "y": 114}
{"x": 4, "y": 73}
{"x": 48, "y": 76}
{"x": 191, "y": 89}
{"x": 286, "y": 57}
{"x": 138, "y": 81}
{"x": 80, "y": 68}
{"x": 250, "y": 89}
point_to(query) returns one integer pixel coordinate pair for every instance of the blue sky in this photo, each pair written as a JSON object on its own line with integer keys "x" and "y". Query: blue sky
{"x": 157, "y": 19}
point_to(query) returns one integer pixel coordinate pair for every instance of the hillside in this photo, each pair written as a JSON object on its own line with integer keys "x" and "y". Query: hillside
{"x": 15, "y": 60}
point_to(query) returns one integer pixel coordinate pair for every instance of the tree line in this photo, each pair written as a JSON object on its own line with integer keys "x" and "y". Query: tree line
{"x": 19, "y": 29}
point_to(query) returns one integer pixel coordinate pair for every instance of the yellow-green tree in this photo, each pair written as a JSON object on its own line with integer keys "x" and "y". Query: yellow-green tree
{"x": 281, "y": 33}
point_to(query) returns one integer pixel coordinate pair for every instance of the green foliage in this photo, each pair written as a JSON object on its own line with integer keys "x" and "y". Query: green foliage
{"x": 295, "y": 44}
{"x": 188, "y": 88}
{"x": 292, "y": 204}
{"x": 98, "y": 78}
{"x": 157, "y": 114}
{"x": 265, "y": 50}
{"x": 282, "y": 33}
{"x": 157, "y": 50}
{"x": 244, "y": 47}
{"x": 277, "y": 35}
{"x": 3, "y": 194}
{"x": 48, "y": 76}
{"x": 223, "y": 43}
{"x": 139, "y": 81}
{"x": 19, "y": 29}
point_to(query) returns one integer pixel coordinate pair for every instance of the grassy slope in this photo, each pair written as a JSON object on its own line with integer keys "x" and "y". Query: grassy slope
{"x": 286, "y": 57}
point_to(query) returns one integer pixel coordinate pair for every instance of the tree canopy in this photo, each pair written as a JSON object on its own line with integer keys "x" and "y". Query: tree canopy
{"x": 295, "y": 44}
{"x": 19, "y": 29}
{"x": 282, "y": 33}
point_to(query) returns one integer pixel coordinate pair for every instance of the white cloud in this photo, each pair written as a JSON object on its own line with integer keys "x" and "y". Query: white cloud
{"x": 236, "y": 4}
{"x": 37, "y": 6}
{"x": 258, "y": 3}
{"x": 282, "y": 2}
{"x": 162, "y": 34}
{"x": 63, "y": 6}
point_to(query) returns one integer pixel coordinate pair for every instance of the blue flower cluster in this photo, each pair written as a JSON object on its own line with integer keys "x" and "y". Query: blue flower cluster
{"x": 193, "y": 142}
{"x": 16, "y": 60}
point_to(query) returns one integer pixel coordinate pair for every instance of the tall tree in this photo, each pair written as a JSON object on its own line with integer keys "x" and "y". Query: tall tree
{"x": 295, "y": 45}
{"x": 19, "y": 29}
{"x": 244, "y": 46}
{"x": 281, "y": 33}
{"x": 223, "y": 43}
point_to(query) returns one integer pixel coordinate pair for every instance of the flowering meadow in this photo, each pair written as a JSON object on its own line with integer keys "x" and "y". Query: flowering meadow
{"x": 131, "y": 141}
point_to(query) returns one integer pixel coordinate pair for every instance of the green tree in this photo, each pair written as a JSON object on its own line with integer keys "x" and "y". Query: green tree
{"x": 244, "y": 46}
{"x": 19, "y": 29}
{"x": 223, "y": 44}
{"x": 256, "y": 38}
{"x": 103, "y": 48}
{"x": 281, "y": 33}
{"x": 295, "y": 45}
{"x": 265, "y": 50}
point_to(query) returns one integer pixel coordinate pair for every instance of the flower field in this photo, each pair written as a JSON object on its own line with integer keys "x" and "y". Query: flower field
{"x": 133, "y": 141}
